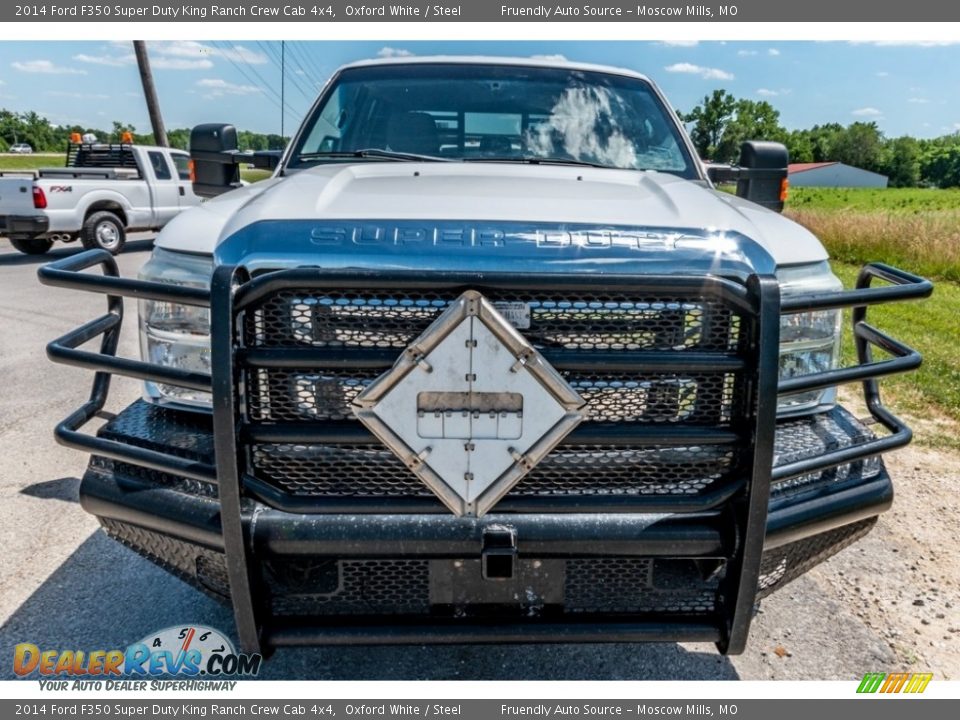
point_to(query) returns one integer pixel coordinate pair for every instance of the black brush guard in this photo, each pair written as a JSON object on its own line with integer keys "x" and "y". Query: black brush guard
{"x": 730, "y": 521}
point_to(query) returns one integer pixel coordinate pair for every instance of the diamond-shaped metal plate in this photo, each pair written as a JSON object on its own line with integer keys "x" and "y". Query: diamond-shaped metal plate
{"x": 470, "y": 406}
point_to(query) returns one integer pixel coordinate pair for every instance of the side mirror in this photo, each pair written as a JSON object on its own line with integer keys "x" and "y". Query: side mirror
{"x": 214, "y": 157}
{"x": 266, "y": 159}
{"x": 761, "y": 175}
{"x": 766, "y": 181}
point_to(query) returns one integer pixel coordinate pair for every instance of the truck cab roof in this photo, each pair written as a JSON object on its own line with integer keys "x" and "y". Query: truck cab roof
{"x": 544, "y": 61}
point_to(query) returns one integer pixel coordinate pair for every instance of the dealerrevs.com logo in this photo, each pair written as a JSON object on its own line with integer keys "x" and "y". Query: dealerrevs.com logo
{"x": 185, "y": 651}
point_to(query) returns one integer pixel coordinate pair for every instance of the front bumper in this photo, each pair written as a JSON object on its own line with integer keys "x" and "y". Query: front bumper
{"x": 399, "y": 568}
{"x": 24, "y": 226}
{"x": 585, "y": 567}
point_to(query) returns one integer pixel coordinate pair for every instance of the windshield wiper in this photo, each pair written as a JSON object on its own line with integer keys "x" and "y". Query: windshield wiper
{"x": 533, "y": 160}
{"x": 378, "y": 153}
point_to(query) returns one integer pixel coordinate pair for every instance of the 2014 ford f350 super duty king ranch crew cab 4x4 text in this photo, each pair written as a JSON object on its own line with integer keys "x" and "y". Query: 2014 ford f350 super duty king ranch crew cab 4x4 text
{"x": 488, "y": 359}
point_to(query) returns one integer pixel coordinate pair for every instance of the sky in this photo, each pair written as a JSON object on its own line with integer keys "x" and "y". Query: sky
{"x": 909, "y": 88}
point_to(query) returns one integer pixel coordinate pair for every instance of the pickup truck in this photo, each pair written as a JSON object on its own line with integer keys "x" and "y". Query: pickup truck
{"x": 488, "y": 359}
{"x": 103, "y": 192}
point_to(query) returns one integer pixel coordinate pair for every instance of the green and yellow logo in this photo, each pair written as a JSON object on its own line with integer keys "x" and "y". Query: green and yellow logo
{"x": 894, "y": 682}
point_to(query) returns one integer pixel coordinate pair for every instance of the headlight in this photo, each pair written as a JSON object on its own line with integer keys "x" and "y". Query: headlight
{"x": 809, "y": 341}
{"x": 172, "y": 334}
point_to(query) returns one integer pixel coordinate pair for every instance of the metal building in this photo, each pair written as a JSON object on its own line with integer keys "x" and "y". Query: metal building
{"x": 833, "y": 174}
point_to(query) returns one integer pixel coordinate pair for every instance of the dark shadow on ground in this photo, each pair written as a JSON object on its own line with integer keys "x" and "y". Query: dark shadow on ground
{"x": 65, "y": 488}
{"x": 104, "y": 597}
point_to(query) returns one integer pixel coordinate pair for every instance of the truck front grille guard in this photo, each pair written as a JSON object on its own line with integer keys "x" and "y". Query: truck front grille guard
{"x": 758, "y": 300}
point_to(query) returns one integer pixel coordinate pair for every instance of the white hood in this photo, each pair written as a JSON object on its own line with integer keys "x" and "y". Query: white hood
{"x": 490, "y": 192}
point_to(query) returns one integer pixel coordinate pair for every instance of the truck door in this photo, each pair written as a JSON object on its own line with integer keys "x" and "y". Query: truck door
{"x": 166, "y": 194}
{"x": 181, "y": 161}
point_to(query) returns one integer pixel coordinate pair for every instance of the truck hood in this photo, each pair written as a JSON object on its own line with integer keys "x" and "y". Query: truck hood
{"x": 490, "y": 193}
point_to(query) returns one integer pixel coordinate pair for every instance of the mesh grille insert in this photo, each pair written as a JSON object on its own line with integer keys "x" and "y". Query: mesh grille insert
{"x": 588, "y": 321}
{"x": 304, "y": 394}
{"x": 788, "y": 562}
{"x": 371, "y": 471}
{"x": 395, "y": 587}
{"x": 637, "y": 585}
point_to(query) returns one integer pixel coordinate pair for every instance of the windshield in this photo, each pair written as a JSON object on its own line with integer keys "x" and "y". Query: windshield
{"x": 492, "y": 113}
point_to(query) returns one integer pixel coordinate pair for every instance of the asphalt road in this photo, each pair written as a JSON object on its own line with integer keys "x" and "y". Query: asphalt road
{"x": 63, "y": 584}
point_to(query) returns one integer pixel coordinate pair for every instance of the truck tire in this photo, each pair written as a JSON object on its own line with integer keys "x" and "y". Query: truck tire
{"x": 103, "y": 230}
{"x": 32, "y": 246}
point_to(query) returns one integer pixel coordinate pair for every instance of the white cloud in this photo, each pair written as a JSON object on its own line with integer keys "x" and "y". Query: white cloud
{"x": 768, "y": 93}
{"x": 391, "y": 52}
{"x": 177, "y": 55}
{"x": 46, "y": 67}
{"x": 193, "y": 50}
{"x": 109, "y": 60}
{"x": 773, "y": 52}
{"x": 746, "y": 53}
{"x": 918, "y": 101}
{"x": 77, "y": 95}
{"x": 553, "y": 58}
{"x": 219, "y": 87}
{"x": 866, "y": 112}
{"x": 707, "y": 73}
{"x": 883, "y": 73}
{"x": 905, "y": 43}
{"x": 680, "y": 43}
{"x": 174, "y": 63}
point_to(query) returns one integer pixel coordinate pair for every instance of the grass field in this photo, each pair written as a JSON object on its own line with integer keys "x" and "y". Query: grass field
{"x": 931, "y": 326}
{"x": 40, "y": 160}
{"x": 31, "y": 162}
{"x": 918, "y": 229}
{"x": 898, "y": 201}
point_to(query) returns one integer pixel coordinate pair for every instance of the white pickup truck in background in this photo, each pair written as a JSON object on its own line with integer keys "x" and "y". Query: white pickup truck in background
{"x": 103, "y": 192}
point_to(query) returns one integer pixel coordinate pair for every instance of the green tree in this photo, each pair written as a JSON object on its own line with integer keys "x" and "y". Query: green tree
{"x": 799, "y": 146}
{"x": 709, "y": 119}
{"x": 902, "y": 162}
{"x": 940, "y": 162}
{"x": 753, "y": 120}
{"x": 823, "y": 139}
{"x": 36, "y": 130}
{"x": 860, "y": 145}
{"x": 179, "y": 138}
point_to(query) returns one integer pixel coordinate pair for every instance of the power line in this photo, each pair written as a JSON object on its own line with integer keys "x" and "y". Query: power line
{"x": 295, "y": 53}
{"x": 312, "y": 80}
{"x": 315, "y": 68}
{"x": 278, "y": 61}
{"x": 262, "y": 84}
{"x": 250, "y": 80}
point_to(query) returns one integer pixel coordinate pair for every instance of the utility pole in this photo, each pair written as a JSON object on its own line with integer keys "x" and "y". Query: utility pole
{"x": 283, "y": 76}
{"x": 150, "y": 93}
